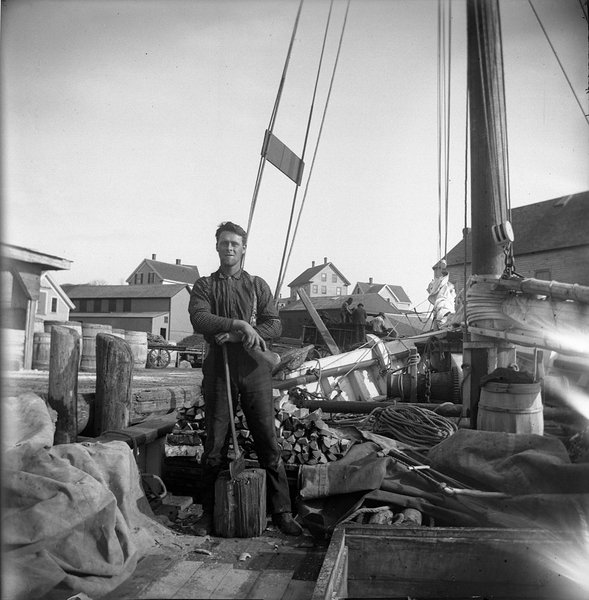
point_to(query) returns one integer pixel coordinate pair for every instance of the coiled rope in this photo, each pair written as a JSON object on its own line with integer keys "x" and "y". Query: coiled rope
{"x": 411, "y": 424}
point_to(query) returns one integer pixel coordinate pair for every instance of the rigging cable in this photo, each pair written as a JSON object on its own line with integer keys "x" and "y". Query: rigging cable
{"x": 586, "y": 116}
{"x": 504, "y": 115}
{"x": 444, "y": 105}
{"x": 272, "y": 121}
{"x": 465, "y": 230}
{"x": 448, "y": 126}
{"x": 281, "y": 273}
{"x": 312, "y": 165}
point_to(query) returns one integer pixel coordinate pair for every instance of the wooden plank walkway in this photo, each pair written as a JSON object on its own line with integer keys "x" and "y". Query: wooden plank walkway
{"x": 277, "y": 568}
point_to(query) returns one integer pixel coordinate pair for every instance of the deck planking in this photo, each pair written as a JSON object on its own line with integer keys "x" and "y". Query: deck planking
{"x": 272, "y": 567}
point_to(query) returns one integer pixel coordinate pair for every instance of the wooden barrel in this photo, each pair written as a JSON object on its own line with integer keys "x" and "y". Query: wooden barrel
{"x": 240, "y": 504}
{"x": 47, "y": 325}
{"x": 89, "y": 332}
{"x": 511, "y": 408}
{"x": 41, "y": 351}
{"x": 120, "y": 333}
{"x": 138, "y": 342}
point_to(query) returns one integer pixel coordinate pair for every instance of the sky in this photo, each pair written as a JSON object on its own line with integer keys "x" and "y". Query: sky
{"x": 134, "y": 127}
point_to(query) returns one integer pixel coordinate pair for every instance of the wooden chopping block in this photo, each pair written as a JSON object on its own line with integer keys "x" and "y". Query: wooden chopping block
{"x": 240, "y": 504}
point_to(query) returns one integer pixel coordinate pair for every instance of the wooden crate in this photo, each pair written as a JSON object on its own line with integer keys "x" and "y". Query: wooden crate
{"x": 373, "y": 561}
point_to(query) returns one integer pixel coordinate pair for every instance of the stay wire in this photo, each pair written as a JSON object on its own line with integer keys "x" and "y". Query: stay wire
{"x": 505, "y": 134}
{"x": 312, "y": 165}
{"x": 272, "y": 121}
{"x": 585, "y": 115}
{"x": 440, "y": 121}
{"x": 448, "y": 120}
{"x": 465, "y": 230}
{"x": 292, "y": 210}
{"x": 444, "y": 113}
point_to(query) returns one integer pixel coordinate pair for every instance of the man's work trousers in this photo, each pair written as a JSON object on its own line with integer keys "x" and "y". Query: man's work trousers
{"x": 251, "y": 385}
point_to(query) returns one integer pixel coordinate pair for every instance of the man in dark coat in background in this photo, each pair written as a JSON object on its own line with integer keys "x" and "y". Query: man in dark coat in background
{"x": 359, "y": 321}
{"x": 234, "y": 308}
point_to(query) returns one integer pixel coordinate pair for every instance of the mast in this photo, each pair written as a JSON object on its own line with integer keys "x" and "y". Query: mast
{"x": 487, "y": 186}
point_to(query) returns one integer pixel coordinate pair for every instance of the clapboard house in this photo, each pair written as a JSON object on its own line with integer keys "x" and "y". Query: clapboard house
{"x": 551, "y": 242}
{"x": 28, "y": 295}
{"x": 394, "y": 294}
{"x": 155, "y": 272}
{"x": 322, "y": 280}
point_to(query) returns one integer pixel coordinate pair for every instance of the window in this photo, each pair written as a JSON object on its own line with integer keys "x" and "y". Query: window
{"x": 140, "y": 278}
{"x": 166, "y": 319}
{"x": 323, "y": 276}
{"x": 543, "y": 274}
{"x": 97, "y": 305}
{"x": 112, "y": 305}
{"x": 53, "y": 305}
{"x": 315, "y": 289}
{"x": 324, "y": 289}
{"x": 127, "y": 305}
{"x": 83, "y": 305}
{"x": 151, "y": 278}
{"x": 334, "y": 279}
{"x": 338, "y": 291}
{"x": 136, "y": 278}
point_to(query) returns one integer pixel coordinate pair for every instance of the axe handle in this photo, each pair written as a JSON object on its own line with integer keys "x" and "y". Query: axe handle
{"x": 230, "y": 402}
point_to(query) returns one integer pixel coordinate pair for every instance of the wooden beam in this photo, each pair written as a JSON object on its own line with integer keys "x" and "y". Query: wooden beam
{"x": 327, "y": 337}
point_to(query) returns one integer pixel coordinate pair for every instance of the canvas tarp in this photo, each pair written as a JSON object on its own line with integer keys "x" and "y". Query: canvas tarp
{"x": 73, "y": 514}
{"x": 525, "y": 480}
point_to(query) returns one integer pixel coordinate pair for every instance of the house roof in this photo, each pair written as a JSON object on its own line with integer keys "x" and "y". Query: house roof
{"x": 47, "y": 262}
{"x": 373, "y": 303}
{"x": 307, "y": 275}
{"x": 407, "y": 324}
{"x": 169, "y": 271}
{"x": 59, "y": 291}
{"x": 375, "y": 288}
{"x": 124, "y": 291}
{"x": 553, "y": 224}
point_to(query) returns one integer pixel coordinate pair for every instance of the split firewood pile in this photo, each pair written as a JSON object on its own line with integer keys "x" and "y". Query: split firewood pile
{"x": 304, "y": 437}
{"x": 188, "y": 435}
{"x": 387, "y": 515}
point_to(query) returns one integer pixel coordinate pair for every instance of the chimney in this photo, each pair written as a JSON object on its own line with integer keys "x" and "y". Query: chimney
{"x": 153, "y": 257}
{"x": 312, "y": 263}
{"x": 370, "y": 280}
{"x": 178, "y": 261}
{"x": 325, "y": 260}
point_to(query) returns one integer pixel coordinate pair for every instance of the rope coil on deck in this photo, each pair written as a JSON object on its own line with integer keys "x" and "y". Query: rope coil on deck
{"x": 411, "y": 424}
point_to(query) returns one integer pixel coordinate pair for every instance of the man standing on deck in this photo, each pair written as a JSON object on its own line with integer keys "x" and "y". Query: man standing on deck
{"x": 359, "y": 320}
{"x": 377, "y": 323}
{"x": 346, "y": 311}
{"x": 441, "y": 294}
{"x": 235, "y": 308}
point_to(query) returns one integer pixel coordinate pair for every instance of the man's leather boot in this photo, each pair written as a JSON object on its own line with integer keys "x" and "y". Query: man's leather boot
{"x": 285, "y": 522}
